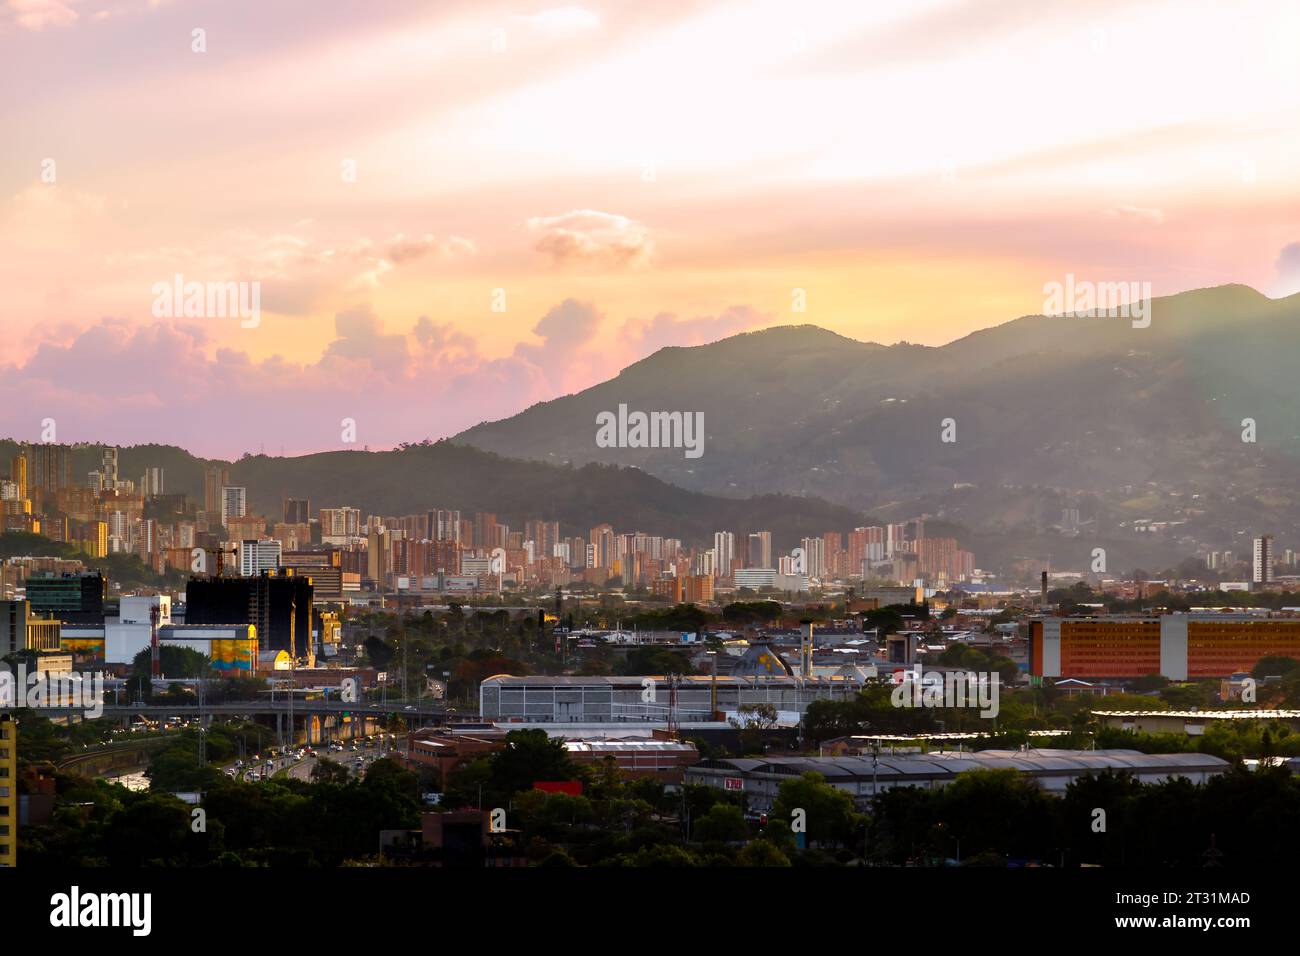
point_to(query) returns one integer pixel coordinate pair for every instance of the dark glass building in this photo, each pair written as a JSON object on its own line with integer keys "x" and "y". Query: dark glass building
{"x": 72, "y": 598}
{"x": 278, "y": 605}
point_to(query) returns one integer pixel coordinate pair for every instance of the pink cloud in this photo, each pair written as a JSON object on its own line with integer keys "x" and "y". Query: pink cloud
{"x": 166, "y": 382}
{"x": 595, "y": 238}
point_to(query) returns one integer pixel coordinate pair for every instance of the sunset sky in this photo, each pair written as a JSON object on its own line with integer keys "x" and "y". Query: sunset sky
{"x": 631, "y": 175}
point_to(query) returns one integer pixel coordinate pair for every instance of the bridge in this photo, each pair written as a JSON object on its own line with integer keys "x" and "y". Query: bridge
{"x": 303, "y": 721}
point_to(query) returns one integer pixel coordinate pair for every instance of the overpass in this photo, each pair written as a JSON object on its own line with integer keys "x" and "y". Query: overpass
{"x": 249, "y": 708}
{"x": 305, "y": 721}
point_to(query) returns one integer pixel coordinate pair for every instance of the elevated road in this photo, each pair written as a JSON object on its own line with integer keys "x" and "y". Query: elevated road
{"x": 299, "y": 708}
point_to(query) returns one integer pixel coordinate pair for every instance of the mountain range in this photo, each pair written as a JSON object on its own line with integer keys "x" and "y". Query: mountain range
{"x": 1047, "y": 415}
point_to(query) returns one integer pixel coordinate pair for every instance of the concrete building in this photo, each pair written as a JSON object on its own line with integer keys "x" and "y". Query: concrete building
{"x": 114, "y": 641}
{"x": 22, "y": 629}
{"x": 138, "y": 608}
{"x": 755, "y": 578}
{"x": 258, "y": 556}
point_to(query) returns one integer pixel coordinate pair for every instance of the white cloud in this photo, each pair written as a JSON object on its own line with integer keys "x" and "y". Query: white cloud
{"x": 598, "y": 238}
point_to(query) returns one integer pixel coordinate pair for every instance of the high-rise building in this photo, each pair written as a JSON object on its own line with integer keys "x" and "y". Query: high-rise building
{"x": 760, "y": 550}
{"x": 297, "y": 511}
{"x": 234, "y": 503}
{"x": 724, "y": 552}
{"x": 446, "y": 526}
{"x": 378, "y": 558}
{"x": 814, "y": 554}
{"x": 52, "y": 468}
{"x": 279, "y": 605}
{"x": 895, "y": 539}
{"x": 1262, "y": 564}
{"x": 256, "y": 556}
{"x": 340, "y": 526}
{"x": 602, "y": 539}
{"x": 151, "y": 482}
{"x": 18, "y": 474}
{"x": 108, "y": 465}
{"x": 215, "y": 477}
{"x": 485, "y": 530}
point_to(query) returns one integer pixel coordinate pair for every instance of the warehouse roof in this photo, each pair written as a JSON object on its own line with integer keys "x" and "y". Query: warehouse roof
{"x": 1046, "y": 762}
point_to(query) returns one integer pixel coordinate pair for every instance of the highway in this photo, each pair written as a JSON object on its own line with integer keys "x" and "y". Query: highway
{"x": 300, "y": 768}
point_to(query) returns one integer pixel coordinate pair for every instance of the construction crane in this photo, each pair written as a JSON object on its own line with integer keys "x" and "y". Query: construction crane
{"x": 220, "y": 558}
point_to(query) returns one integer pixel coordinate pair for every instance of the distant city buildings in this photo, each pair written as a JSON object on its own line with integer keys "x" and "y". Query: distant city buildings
{"x": 437, "y": 549}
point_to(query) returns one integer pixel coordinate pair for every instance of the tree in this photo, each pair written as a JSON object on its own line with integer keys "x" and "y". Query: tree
{"x": 762, "y": 853}
{"x": 527, "y": 757}
{"x": 827, "y": 810}
{"x": 655, "y": 660}
{"x": 724, "y": 823}
{"x": 1273, "y": 665}
{"x": 329, "y": 771}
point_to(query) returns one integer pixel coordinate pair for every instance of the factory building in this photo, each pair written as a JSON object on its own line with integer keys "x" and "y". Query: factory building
{"x": 230, "y": 647}
{"x": 603, "y": 700}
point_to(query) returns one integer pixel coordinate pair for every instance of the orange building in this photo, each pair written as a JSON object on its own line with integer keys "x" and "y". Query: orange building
{"x": 1177, "y": 646}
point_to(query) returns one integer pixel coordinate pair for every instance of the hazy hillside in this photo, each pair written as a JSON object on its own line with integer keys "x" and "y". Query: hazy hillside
{"x": 445, "y": 475}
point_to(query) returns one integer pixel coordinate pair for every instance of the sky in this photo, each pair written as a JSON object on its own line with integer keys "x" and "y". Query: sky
{"x": 454, "y": 210}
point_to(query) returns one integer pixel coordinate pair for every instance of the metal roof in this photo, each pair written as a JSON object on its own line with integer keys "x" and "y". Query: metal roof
{"x": 1046, "y": 762}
